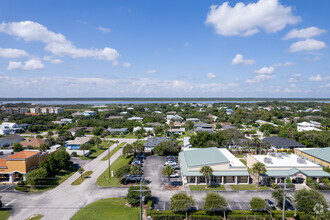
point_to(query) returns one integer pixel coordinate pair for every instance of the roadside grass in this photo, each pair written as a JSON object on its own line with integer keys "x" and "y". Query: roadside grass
{"x": 112, "y": 208}
{"x": 96, "y": 151}
{"x": 4, "y": 214}
{"x": 186, "y": 134}
{"x": 82, "y": 178}
{"x": 202, "y": 188}
{"x": 50, "y": 182}
{"x": 114, "y": 151}
{"x": 35, "y": 217}
{"x": 128, "y": 135}
{"x": 103, "y": 179}
{"x": 243, "y": 161}
{"x": 239, "y": 156}
{"x": 248, "y": 187}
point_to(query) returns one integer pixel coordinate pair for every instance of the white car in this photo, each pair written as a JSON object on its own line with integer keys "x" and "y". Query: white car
{"x": 174, "y": 175}
{"x": 170, "y": 163}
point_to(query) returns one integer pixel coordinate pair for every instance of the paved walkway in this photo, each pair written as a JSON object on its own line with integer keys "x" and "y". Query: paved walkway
{"x": 227, "y": 187}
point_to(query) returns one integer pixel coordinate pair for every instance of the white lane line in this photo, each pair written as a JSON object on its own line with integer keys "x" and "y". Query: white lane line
{"x": 164, "y": 205}
{"x": 10, "y": 202}
{"x": 6, "y": 188}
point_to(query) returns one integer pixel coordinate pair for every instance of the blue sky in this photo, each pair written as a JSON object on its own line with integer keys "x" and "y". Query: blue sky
{"x": 260, "y": 48}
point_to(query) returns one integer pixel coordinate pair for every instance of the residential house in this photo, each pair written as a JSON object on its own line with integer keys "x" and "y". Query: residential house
{"x": 306, "y": 126}
{"x": 9, "y": 128}
{"x": 16, "y": 166}
{"x": 147, "y": 129}
{"x": 195, "y": 120}
{"x": 281, "y": 165}
{"x": 176, "y": 130}
{"x": 32, "y": 142}
{"x": 227, "y": 169}
{"x": 203, "y": 127}
{"x": 152, "y": 142}
{"x": 75, "y": 129}
{"x": 118, "y": 130}
{"x": 174, "y": 117}
{"x": 186, "y": 142}
{"x": 120, "y": 117}
{"x": 212, "y": 117}
{"x": 10, "y": 140}
{"x": 154, "y": 124}
{"x": 76, "y": 114}
{"x": 135, "y": 118}
{"x": 282, "y": 143}
{"x": 89, "y": 113}
{"x": 76, "y": 143}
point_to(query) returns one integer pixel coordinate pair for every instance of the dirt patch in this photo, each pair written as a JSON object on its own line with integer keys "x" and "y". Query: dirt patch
{"x": 173, "y": 188}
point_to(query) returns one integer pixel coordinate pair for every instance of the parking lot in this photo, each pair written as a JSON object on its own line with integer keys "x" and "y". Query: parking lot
{"x": 7, "y": 188}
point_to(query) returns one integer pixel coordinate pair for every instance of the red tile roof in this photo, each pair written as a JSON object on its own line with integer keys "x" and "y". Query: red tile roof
{"x": 3, "y": 162}
{"x": 23, "y": 155}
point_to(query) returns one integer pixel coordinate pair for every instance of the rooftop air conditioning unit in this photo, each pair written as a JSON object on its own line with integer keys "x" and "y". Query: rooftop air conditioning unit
{"x": 301, "y": 160}
{"x": 267, "y": 160}
{"x": 279, "y": 155}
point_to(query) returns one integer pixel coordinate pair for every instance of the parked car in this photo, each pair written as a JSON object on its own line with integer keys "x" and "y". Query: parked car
{"x": 172, "y": 158}
{"x": 133, "y": 178}
{"x": 174, "y": 175}
{"x": 270, "y": 204}
{"x": 176, "y": 167}
{"x": 288, "y": 206}
{"x": 171, "y": 163}
{"x": 141, "y": 157}
{"x": 136, "y": 162}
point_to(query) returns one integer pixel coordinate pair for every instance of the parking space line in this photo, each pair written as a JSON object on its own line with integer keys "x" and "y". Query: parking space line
{"x": 6, "y": 188}
{"x": 10, "y": 202}
{"x": 240, "y": 205}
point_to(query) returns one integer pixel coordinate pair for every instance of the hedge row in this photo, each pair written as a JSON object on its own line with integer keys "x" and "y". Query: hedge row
{"x": 231, "y": 215}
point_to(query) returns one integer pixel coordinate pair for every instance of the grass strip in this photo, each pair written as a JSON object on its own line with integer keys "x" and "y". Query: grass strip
{"x": 106, "y": 157}
{"x": 82, "y": 178}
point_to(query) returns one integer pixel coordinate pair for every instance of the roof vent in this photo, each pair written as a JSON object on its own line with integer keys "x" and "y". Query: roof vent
{"x": 268, "y": 160}
{"x": 301, "y": 160}
{"x": 279, "y": 155}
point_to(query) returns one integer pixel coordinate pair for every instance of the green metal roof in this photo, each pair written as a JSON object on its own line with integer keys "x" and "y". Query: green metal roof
{"x": 186, "y": 172}
{"x": 294, "y": 171}
{"x": 204, "y": 156}
{"x": 321, "y": 153}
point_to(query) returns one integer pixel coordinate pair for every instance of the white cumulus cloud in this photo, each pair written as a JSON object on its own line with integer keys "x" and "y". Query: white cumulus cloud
{"x": 151, "y": 71}
{"x": 259, "y": 78}
{"x": 12, "y": 53}
{"x": 239, "y": 60}
{"x": 295, "y": 78}
{"x": 246, "y": 20}
{"x": 32, "y": 64}
{"x": 126, "y": 65}
{"x": 56, "y": 43}
{"x": 304, "y": 33}
{"x": 211, "y": 76}
{"x": 318, "y": 78}
{"x": 104, "y": 30}
{"x": 265, "y": 70}
{"x": 307, "y": 45}
{"x": 284, "y": 64}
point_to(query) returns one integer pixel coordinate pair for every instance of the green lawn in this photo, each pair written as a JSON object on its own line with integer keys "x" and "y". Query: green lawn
{"x": 82, "y": 178}
{"x": 96, "y": 151}
{"x": 128, "y": 135}
{"x": 35, "y": 217}
{"x": 248, "y": 187}
{"x": 239, "y": 156}
{"x": 103, "y": 179}
{"x": 4, "y": 214}
{"x": 112, "y": 208}
{"x": 202, "y": 188}
{"x": 50, "y": 182}
{"x": 114, "y": 151}
{"x": 243, "y": 161}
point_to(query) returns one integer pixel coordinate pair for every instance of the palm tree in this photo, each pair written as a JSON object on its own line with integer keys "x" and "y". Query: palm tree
{"x": 207, "y": 172}
{"x": 259, "y": 168}
{"x": 168, "y": 171}
{"x": 135, "y": 170}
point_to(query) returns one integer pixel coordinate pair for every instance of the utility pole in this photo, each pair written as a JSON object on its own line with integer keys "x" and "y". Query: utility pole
{"x": 109, "y": 160}
{"x": 283, "y": 211}
{"x": 141, "y": 197}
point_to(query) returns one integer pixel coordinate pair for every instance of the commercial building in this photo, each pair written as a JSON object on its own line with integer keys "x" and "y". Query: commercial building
{"x": 16, "y": 166}
{"x": 227, "y": 169}
{"x": 281, "y": 165}
{"x": 319, "y": 156}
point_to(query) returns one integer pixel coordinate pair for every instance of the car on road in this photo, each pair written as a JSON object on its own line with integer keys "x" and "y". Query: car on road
{"x": 270, "y": 204}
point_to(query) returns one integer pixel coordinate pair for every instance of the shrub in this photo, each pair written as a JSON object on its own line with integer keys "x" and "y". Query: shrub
{"x": 74, "y": 154}
{"x": 274, "y": 186}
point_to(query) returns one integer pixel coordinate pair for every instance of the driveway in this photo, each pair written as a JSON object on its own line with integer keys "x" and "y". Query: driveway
{"x": 152, "y": 171}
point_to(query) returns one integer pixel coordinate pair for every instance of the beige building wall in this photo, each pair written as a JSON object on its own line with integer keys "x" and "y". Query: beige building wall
{"x": 309, "y": 157}
{"x": 250, "y": 161}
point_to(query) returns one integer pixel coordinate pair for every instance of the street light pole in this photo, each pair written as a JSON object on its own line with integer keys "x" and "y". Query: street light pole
{"x": 109, "y": 159}
{"x": 283, "y": 211}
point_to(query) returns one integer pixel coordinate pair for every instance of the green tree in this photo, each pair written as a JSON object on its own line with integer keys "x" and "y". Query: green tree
{"x": 79, "y": 133}
{"x": 168, "y": 171}
{"x": 158, "y": 130}
{"x": 81, "y": 171}
{"x": 133, "y": 195}
{"x": 50, "y": 134}
{"x": 215, "y": 202}
{"x": 123, "y": 171}
{"x": 259, "y": 168}
{"x": 189, "y": 125}
{"x": 98, "y": 131}
{"x": 135, "y": 170}
{"x": 36, "y": 177}
{"x": 128, "y": 149}
{"x": 278, "y": 196}
{"x": 97, "y": 141}
{"x": 85, "y": 146}
{"x": 166, "y": 148}
{"x": 43, "y": 147}
{"x": 259, "y": 204}
{"x": 207, "y": 172}
{"x": 181, "y": 202}
{"x": 17, "y": 147}
{"x": 306, "y": 200}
